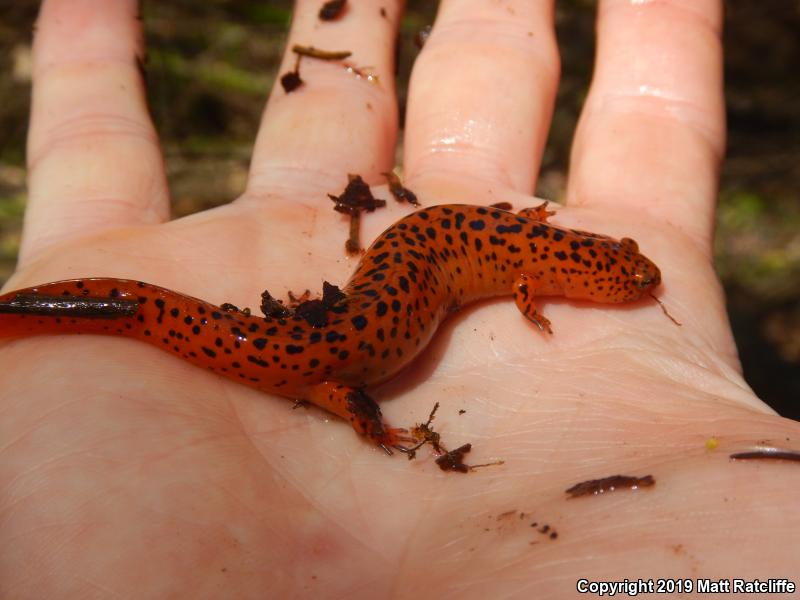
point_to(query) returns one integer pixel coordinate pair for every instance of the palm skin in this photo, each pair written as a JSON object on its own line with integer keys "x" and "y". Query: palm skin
{"x": 124, "y": 469}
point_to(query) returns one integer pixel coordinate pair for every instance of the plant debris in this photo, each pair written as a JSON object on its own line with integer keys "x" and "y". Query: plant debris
{"x": 400, "y": 193}
{"x": 609, "y": 484}
{"x": 332, "y": 10}
{"x": 356, "y": 198}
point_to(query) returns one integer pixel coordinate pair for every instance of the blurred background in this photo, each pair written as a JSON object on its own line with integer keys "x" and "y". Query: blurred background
{"x": 210, "y": 66}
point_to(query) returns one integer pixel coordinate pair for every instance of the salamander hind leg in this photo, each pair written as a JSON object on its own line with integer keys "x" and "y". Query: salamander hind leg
{"x": 524, "y": 288}
{"x": 537, "y": 213}
{"x": 361, "y": 411}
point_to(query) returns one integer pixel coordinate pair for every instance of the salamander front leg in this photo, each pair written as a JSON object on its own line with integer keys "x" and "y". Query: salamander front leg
{"x": 537, "y": 213}
{"x": 524, "y": 288}
{"x": 361, "y": 411}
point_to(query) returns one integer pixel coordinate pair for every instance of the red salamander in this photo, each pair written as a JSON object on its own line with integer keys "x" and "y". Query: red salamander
{"x": 416, "y": 272}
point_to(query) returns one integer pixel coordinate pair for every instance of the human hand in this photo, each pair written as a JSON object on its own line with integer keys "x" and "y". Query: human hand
{"x": 125, "y": 469}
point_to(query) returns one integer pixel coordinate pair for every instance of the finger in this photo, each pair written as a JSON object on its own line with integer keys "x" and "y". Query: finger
{"x": 652, "y": 131}
{"x": 93, "y": 157}
{"x": 337, "y": 121}
{"x": 481, "y": 95}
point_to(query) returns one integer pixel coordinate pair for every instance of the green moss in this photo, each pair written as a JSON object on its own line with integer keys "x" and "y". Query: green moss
{"x": 268, "y": 15}
{"x": 741, "y": 209}
{"x": 12, "y": 208}
{"x": 215, "y": 74}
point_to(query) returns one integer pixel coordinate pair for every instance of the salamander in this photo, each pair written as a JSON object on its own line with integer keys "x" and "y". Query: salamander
{"x": 425, "y": 266}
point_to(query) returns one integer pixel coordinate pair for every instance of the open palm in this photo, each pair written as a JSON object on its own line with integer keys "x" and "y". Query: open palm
{"x": 124, "y": 471}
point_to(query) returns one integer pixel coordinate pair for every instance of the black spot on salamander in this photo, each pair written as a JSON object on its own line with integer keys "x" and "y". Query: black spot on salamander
{"x": 477, "y": 225}
{"x": 560, "y": 255}
{"x": 188, "y": 319}
{"x": 558, "y": 235}
{"x": 174, "y": 312}
{"x": 381, "y": 308}
{"x": 160, "y": 304}
{"x": 209, "y": 352}
{"x": 538, "y": 231}
{"x": 216, "y": 314}
{"x": 79, "y": 285}
{"x": 196, "y": 329}
{"x": 359, "y": 322}
{"x": 292, "y": 349}
{"x": 257, "y": 361}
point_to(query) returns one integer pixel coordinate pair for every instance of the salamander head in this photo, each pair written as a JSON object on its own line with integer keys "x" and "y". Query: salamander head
{"x": 646, "y": 275}
{"x": 616, "y": 272}
{"x": 642, "y": 274}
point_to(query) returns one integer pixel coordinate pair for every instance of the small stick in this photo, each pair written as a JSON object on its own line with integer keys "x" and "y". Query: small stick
{"x": 664, "y": 310}
{"x": 767, "y": 453}
{"x": 353, "y": 243}
{"x": 69, "y": 306}
{"x": 312, "y": 52}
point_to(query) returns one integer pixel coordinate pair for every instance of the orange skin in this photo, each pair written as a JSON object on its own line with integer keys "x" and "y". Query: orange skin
{"x": 423, "y": 267}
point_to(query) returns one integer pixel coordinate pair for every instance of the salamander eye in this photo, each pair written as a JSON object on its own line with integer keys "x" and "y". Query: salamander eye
{"x": 630, "y": 245}
{"x": 646, "y": 275}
